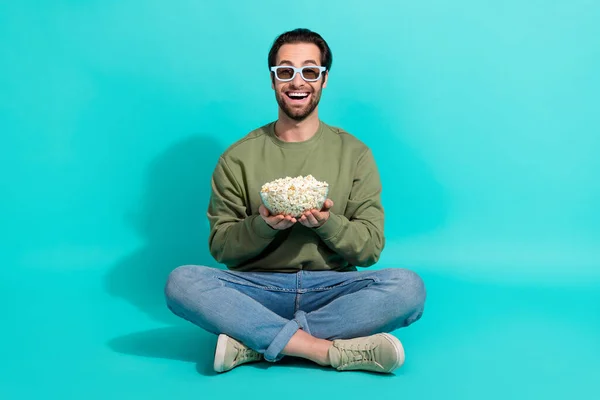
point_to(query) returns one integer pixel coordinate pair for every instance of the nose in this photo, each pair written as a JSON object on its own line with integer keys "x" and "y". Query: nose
{"x": 298, "y": 81}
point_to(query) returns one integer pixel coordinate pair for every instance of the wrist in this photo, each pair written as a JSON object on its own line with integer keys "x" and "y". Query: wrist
{"x": 330, "y": 227}
{"x": 262, "y": 228}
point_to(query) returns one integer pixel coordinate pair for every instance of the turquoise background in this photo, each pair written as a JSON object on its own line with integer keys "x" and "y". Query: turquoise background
{"x": 483, "y": 117}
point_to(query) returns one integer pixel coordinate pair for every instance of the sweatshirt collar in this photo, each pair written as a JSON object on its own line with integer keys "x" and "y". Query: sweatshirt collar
{"x": 295, "y": 145}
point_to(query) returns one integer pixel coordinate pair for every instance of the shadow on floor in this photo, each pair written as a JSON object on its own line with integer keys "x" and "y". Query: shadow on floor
{"x": 189, "y": 344}
{"x": 171, "y": 219}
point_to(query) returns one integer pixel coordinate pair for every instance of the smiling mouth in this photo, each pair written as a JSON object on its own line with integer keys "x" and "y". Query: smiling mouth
{"x": 297, "y": 96}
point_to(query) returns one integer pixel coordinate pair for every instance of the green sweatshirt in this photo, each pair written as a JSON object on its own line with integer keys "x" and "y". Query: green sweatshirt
{"x": 353, "y": 234}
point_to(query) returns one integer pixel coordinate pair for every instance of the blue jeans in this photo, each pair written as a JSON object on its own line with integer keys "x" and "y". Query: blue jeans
{"x": 264, "y": 310}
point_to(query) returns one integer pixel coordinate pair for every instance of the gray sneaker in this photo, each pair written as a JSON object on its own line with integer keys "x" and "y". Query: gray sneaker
{"x": 378, "y": 353}
{"x": 230, "y": 353}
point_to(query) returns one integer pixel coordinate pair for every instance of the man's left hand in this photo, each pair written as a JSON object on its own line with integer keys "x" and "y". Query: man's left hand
{"x": 315, "y": 218}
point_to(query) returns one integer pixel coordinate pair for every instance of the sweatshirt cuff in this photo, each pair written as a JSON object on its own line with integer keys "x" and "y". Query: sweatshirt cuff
{"x": 331, "y": 227}
{"x": 262, "y": 229}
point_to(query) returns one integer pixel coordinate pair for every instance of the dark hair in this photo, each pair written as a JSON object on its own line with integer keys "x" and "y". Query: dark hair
{"x": 301, "y": 35}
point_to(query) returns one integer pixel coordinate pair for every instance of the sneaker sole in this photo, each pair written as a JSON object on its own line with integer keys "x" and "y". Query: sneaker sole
{"x": 219, "y": 364}
{"x": 399, "y": 350}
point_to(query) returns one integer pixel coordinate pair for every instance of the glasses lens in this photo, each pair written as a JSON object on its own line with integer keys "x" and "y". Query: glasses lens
{"x": 285, "y": 73}
{"x": 310, "y": 73}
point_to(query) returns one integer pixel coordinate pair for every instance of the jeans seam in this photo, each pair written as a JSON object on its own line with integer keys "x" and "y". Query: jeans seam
{"x": 273, "y": 288}
{"x": 298, "y": 291}
{"x": 370, "y": 278}
{"x": 297, "y": 302}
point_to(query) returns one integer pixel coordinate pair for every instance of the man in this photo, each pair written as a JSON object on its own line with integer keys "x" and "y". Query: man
{"x": 292, "y": 286}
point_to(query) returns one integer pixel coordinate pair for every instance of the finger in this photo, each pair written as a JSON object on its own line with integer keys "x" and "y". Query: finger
{"x": 274, "y": 220}
{"x": 327, "y": 205}
{"x": 286, "y": 220}
{"x": 284, "y": 224}
{"x": 290, "y": 220}
{"x": 303, "y": 220}
{"x": 319, "y": 215}
{"x": 277, "y": 220}
{"x": 312, "y": 220}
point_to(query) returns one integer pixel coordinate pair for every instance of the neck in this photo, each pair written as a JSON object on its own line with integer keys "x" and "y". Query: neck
{"x": 290, "y": 130}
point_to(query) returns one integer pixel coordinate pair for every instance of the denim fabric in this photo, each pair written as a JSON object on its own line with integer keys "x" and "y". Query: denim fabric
{"x": 264, "y": 310}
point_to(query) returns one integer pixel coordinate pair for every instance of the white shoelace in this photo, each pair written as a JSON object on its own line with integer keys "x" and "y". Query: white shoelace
{"x": 356, "y": 355}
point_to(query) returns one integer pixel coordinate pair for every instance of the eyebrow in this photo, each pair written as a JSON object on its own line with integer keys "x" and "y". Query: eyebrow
{"x": 287, "y": 62}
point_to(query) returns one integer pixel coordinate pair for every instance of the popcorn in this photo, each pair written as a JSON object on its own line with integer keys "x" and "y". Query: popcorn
{"x": 294, "y": 196}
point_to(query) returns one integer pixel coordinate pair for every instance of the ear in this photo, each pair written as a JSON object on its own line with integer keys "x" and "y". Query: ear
{"x": 272, "y": 80}
{"x": 325, "y": 79}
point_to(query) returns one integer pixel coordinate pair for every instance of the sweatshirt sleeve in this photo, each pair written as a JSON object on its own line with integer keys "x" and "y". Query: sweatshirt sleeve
{"x": 235, "y": 236}
{"x": 359, "y": 238}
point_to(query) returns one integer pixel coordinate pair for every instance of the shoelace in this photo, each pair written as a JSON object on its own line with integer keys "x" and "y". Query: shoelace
{"x": 244, "y": 353}
{"x": 355, "y": 354}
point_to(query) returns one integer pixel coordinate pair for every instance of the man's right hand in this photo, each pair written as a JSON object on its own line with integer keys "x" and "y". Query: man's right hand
{"x": 279, "y": 222}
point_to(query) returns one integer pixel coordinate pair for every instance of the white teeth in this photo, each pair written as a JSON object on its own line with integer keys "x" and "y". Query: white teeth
{"x": 302, "y": 95}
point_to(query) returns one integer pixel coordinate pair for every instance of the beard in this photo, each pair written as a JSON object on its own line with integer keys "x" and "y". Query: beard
{"x": 298, "y": 113}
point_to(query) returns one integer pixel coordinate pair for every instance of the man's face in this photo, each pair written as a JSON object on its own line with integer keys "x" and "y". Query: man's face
{"x": 298, "y": 98}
